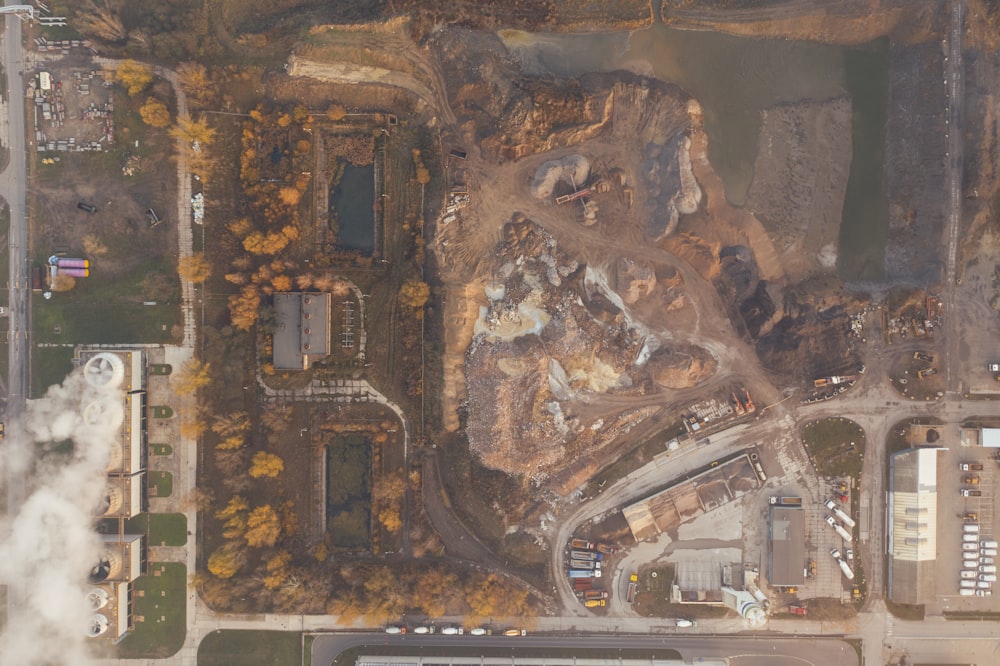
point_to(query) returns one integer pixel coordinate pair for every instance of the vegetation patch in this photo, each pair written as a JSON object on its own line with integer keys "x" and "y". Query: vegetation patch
{"x": 160, "y": 600}
{"x": 835, "y": 446}
{"x": 161, "y": 529}
{"x": 49, "y": 366}
{"x": 251, "y": 648}
{"x": 653, "y": 599}
{"x": 161, "y": 484}
{"x": 161, "y": 449}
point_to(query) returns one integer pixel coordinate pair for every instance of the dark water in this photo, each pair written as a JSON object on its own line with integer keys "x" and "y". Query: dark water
{"x": 734, "y": 79}
{"x": 353, "y": 200}
{"x": 348, "y": 491}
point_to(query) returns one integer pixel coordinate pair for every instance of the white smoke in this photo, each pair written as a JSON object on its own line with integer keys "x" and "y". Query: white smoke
{"x": 48, "y": 544}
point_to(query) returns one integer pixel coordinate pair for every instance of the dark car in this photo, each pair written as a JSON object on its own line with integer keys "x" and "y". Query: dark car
{"x": 83, "y": 205}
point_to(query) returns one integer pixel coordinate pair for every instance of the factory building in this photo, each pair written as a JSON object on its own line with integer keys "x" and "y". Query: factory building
{"x": 787, "y": 554}
{"x": 302, "y": 329}
{"x": 912, "y": 528}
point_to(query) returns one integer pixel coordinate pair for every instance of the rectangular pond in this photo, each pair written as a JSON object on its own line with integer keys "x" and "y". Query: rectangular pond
{"x": 348, "y": 491}
{"x": 353, "y": 201}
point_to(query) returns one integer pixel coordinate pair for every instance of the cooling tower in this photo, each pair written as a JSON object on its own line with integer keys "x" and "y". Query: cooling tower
{"x": 104, "y": 370}
{"x": 108, "y": 568}
{"x": 107, "y": 413}
{"x": 113, "y": 500}
{"x": 97, "y": 598}
{"x": 98, "y": 625}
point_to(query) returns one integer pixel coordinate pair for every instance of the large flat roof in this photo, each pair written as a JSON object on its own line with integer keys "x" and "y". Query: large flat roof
{"x": 787, "y": 558}
{"x": 913, "y": 525}
{"x": 302, "y": 328}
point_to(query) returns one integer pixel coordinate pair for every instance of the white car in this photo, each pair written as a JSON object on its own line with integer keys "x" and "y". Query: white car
{"x": 970, "y": 546}
{"x": 967, "y": 583}
{"x": 988, "y": 552}
{"x": 965, "y": 592}
{"x": 850, "y": 554}
{"x": 685, "y": 623}
{"x": 970, "y": 538}
{"x": 984, "y": 585}
{"x": 971, "y": 575}
{"x": 987, "y": 560}
{"x": 988, "y": 578}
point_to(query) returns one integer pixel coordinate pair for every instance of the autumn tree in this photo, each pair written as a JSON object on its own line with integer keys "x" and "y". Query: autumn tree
{"x": 194, "y": 267}
{"x": 266, "y": 464}
{"x": 290, "y": 196}
{"x": 234, "y": 517}
{"x": 192, "y": 426}
{"x": 100, "y": 19}
{"x": 193, "y": 131}
{"x": 263, "y": 527}
{"x": 385, "y": 596}
{"x": 195, "y": 82}
{"x": 192, "y": 376}
{"x": 154, "y": 113}
{"x": 235, "y": 423}
{"x": 488, "y": 596}
{"x": 135, "y": 76}
{"x": 423, "y": 176}
{"x": 431, "y": 590}
{"x": 231, "y": 443}
{"x": 277, "y": 569}
{"x": 414, "y": 294}
{"x": 226, "y": 561}
{"x": 390, "y": 519}
{"x": 244, "y": 308}
{"x": 336, "y": 112}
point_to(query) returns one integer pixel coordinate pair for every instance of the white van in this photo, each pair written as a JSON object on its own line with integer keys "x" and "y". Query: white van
{"x": 987, "y": 544}
{"x": 988, "y": 552}
{"x": 969, "y": 574}
{"x": 965, "y": 592}
{"x": 988, "y": 578}
{"x": 970, "y": 538}
{"x": 986, "y": 560}
{"x": 970, "y": 528}
{"x": 970, "y": 555}
{"x": 967, "y": 583}
{"x": 987, "y": 568}
{"x": 969, "y": 546}
{"x": 984, "y": 585}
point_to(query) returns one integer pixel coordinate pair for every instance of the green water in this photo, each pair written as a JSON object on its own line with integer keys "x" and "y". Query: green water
{"x": 734, "y": 79}
{"x": 353, "y": 199}
{"x": 348, "y": 491}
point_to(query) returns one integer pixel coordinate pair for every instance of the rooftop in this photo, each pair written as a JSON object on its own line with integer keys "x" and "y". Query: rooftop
{"x": 786, "y": 531}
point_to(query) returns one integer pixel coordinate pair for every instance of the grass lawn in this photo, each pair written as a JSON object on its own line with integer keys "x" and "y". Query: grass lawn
{"x": 161, "y": 449}
{"x": 162, "y": 411}
{"x": 160, "y": 602}
{"x": 163, "y": 529}
{"x": 251, "y": 648}
{"x": 835, "y": 446}
{"x": 161, "y": 484}
{"x": 92, "y": 316}
{"x": 49, "y": 366}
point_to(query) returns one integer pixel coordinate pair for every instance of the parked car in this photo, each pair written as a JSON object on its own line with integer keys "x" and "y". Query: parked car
{"x": 984, "y": 593}
{"x": 970, "y": 574}
{"x": 395, "y": 630}
{"x": 986, "y": 560}
{"x": 681, "y": 622}
{"x": 987, "y": 568}
{"x": 478, "y": 631}
{"x": 849, "y": 553}
{"x": 988, "y": 578}
{"x": 969, "y": 546}
{"x": 515, "y": 632}
{"x": 988, "y": 552}
{"x": 422, "y": 630}
{"x": 453, "y": 631}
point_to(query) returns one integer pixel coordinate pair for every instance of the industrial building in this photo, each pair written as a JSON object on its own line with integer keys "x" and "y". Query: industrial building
{"x": 302, "y": 330}
{"x": 520, "y": 660}
{"x": 989, "y": 438}
{"x": 119, "y": 376}
{"x": 912, "y": 528}
{"x": 787, "y": 554}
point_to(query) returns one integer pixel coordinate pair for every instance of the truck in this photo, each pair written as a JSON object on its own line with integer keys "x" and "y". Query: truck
{"x": 582, "y": 544}
{"x": 971, "y": 493}
{"x": 926, "y": 372}
{"x": 847, "y": 520}
{"x": 971, "y": 467}
{"x": 580, "y": 573}
{"x": 595, "y": 603}
{"x": 797, "y": 610}
{"x": 633, "y": 589}
{"x": 848, "y": 574}
{"x": 605, "y": 549}
{"x": 785, "y": 501}
{"x": 970, "y": 480}
{"x": 582, "y": 584}
{"x": 595, "y": 594}
{"x": 995, "y": 369}
{"x": 921, "y": 356}
{"x": 844, "y": 534}
{"x": 582, "y": 564}
{"x": 585, "y": 555}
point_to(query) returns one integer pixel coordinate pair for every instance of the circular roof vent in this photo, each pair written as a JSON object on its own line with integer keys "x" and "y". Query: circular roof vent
{"x": 97, "y": 598}
{"x": 104, "y": 370}
{"x": 104, "y": 413}
{"x": 112, "y": 501}
{"x": 98, "y": 625}
{"x": 107, "y": 568}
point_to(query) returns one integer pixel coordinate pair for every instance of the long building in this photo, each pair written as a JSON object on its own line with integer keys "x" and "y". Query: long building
{"x": 787, "y": 553}
{"x": 912, "y": 525}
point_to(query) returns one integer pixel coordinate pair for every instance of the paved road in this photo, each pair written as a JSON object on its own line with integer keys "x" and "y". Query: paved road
{"x": 12, "y": 187}
{"x": 764, "y": 651}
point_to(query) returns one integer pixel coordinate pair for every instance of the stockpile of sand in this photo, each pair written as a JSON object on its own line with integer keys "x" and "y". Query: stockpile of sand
{"x": 572, "y": 170}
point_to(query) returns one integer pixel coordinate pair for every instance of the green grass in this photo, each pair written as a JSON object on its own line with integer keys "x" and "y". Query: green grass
{"x": 349, "y": 482}
{"x": 162, "y": 596}
{"x": 162, "y": 411}
{"x": 161, "y": 484}
{"x": 163, "y": 529}
{"x": 829, "y": 444}
{"x": 160, "y": 369}
{"x": 49, "y": 366}
{"x": 653, "y": 599}
{"x": 82, "y": 317}
{"x": 251, "y": 648}
{"x": 161, "y": 449}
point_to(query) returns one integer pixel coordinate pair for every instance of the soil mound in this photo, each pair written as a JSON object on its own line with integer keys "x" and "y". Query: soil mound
{"x": 680, "y": 367}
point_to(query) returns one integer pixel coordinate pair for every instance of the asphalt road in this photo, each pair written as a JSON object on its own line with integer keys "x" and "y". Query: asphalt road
{"x": 12, "y": 187}
{"x": 740, "y": 651}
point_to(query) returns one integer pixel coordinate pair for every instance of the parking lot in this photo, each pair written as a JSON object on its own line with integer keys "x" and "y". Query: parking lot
{"x": 955, "y": 511}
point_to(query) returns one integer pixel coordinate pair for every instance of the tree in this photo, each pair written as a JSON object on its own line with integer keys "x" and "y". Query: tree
{"x": 100, "y": 19}
{"x": 195, "y": 81}
{"x": 194, "y": 267}
{"x": 281, "y": 283}
{"x": 192, "y": 426}
{"x": 277, "y": 569}
{"x": 226, "y": 561}
{"x": 488, "y": 596}
{"x": 384, "y": 593}
{"x": 290, "y": 196}
{"x": 193, "y": 131}
{"x": 390, "y": 488}
{"x": 192, "y": 376}
{"x": 236, "y": 423}
{"x": 336, "y": 112}
{"x": 154, "y": 113}
{"x": 231, "y": 443}
{"x": 389, "y": 517}
{"x": 244, "y": 308}
{"x": 263, "y": 527}
{"x": 431, "y": 590}
{"x": 266, "y": 464}
{"x": 414, "y": 294}
{"x": 135, "y": 76}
